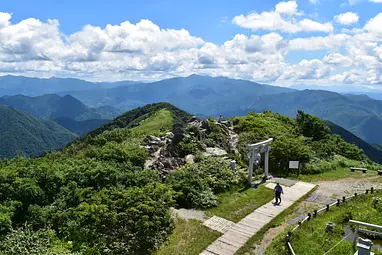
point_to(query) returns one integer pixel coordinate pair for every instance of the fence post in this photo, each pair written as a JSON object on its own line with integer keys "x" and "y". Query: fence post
{"x": 327, "y": 207}
{"x": 371, "y": 190}
{"x": 309, "y": 216}
{"x": 343, "y": 199}
{"x": 338, "y": 202}
{"x": 355, "y": 236}
{"x": 355, "y": 194}
{"x": 367, "y": 192}
{"x": 315, "y": 213}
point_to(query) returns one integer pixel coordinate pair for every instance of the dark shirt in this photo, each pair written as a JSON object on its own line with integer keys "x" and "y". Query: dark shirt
{"x": 278, "y": 188}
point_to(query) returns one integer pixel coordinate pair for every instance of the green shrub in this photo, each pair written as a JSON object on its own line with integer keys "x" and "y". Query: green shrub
{"x": 197, "y": 183}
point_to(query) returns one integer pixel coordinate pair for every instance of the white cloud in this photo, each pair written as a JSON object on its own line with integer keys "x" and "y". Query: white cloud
{"x": 271, "y": 21}
{"x": 283, "y": 19}
{"x": 347, "y": 18}
{"x": 374, "y": 25}
{"x": 289, "y": 8}
{"x": 376, "y": 1}
{"x": 144, "y": 51}
{"x": 314, "y": 1}
{"x": 308, "y": 25}
{"x": 318, "y": 42}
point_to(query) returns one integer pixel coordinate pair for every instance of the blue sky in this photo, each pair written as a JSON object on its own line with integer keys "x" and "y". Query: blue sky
{"x": 201, "y": 17}
{"x": 250, "y": 39}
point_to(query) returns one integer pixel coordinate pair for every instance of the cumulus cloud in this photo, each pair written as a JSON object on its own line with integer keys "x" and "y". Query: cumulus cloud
{"x": 289, "y": 8}
{"x": 374, "y": 24}
{"x": 347, "y": 18}
{"x": 376, "y": 1}
{"x": 318, "y": 42}
{"x": 145, "y": 51}
{"x": 282, "y": 19}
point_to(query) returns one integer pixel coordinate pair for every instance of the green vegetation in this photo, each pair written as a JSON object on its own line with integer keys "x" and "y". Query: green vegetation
{"x": 250, "y": 245}
{"x": 373, "y": 151}
{"x": 24, "y": 135}
{"x": 337, "y": 168}
{"x": 95, "y": 197}
{"x": 189, "y": 238}
{"x": 237, "y": 203}
{"x": 311, "y": 238}
{"x": 199, "y": 183}
{"x": 306, "y": 139}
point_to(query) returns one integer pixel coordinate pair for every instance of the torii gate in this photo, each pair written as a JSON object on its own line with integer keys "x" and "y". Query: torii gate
{"x": 254, "y": 156}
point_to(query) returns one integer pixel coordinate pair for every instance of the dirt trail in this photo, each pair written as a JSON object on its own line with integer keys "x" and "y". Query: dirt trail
{"x": 326, "y": 191}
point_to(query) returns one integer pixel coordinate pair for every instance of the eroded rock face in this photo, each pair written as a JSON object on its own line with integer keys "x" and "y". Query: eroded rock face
{"x": 164, "y": 155}
{"x": 214, "y": 152}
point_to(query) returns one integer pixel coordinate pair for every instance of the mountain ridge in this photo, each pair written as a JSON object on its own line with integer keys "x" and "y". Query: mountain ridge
{"x": 33, "y": 137}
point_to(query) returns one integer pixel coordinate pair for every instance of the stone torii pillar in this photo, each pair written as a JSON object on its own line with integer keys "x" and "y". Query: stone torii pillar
{"x": 254, "y": 155}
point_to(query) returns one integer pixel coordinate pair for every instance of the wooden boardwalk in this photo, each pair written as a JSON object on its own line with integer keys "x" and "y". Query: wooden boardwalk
{"x": 237, "y": 235}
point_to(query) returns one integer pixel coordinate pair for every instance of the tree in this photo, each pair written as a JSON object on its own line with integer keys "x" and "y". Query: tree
{"x": 312, "y": 126}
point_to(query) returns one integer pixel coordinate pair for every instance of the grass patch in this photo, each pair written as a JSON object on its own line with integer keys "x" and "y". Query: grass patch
{"x": 249, "y": 246}
{"x": 339, "y": 173}
{"x": 157, "y": 124}
{"x": 189, "y": 238}
{"x": 238, "y": 203}
{"x": 311, "y": 238}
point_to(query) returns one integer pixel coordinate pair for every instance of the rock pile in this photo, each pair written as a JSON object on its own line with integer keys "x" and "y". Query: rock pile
{"x": 163, "y": 153}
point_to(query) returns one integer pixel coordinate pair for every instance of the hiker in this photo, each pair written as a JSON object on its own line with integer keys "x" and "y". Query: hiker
{"x": 278, "y": 191}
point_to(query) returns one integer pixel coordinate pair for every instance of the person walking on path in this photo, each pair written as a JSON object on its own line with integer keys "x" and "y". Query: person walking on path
{"x": 278, "y": 191}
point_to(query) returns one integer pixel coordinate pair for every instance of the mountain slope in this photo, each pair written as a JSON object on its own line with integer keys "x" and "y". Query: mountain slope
{"x": 197, "y": 94}
{"x": 80, "y": 127}
{"x": 20, "y": 132}
{"x": 358, "y": 114}
{"x": 14, "y": 85}
{"x": 134, "y": 117}
{"x": 51, "y": 106}
{"x": 372, "y": 151}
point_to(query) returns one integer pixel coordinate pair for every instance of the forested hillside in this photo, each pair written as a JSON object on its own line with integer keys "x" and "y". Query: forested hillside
{"x": 97, "y": 195}
{"x": 23, "y": 134}
{"x": 359, "y": 114}
{"x": 51, "y": 107}
{"x": 374, "y": 152}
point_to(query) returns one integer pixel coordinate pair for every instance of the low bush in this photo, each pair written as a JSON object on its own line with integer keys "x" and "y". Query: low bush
{"x": 198, "y": 183}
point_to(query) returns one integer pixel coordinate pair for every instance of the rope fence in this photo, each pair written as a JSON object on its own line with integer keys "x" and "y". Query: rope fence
{"x": 316, "y": 212}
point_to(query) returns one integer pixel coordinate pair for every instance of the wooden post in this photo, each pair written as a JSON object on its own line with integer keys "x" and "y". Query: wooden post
{"x": 355, "y": 236}
{"x": 343, "y": 199}
{"x": 338, "y": 202}
{"x": 371, "y": 190}
{"x": 315, "y": 213}
{"x": 355, "y": 194}
{"x": 367, "y": 192}
{"x": 327, "y": 207}
{"x": 309, "y": 216}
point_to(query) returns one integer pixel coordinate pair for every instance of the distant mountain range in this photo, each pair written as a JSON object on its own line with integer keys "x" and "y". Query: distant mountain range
{"x": 201, "y": 95}
{"x": 14, "y": 85}
{"x": 197, "y": 94}
{"x": 67, "y": 111}
{"x": 373, "y": 151}
{"x": 357, "y": 113}
{"x": 23, "y": 134}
